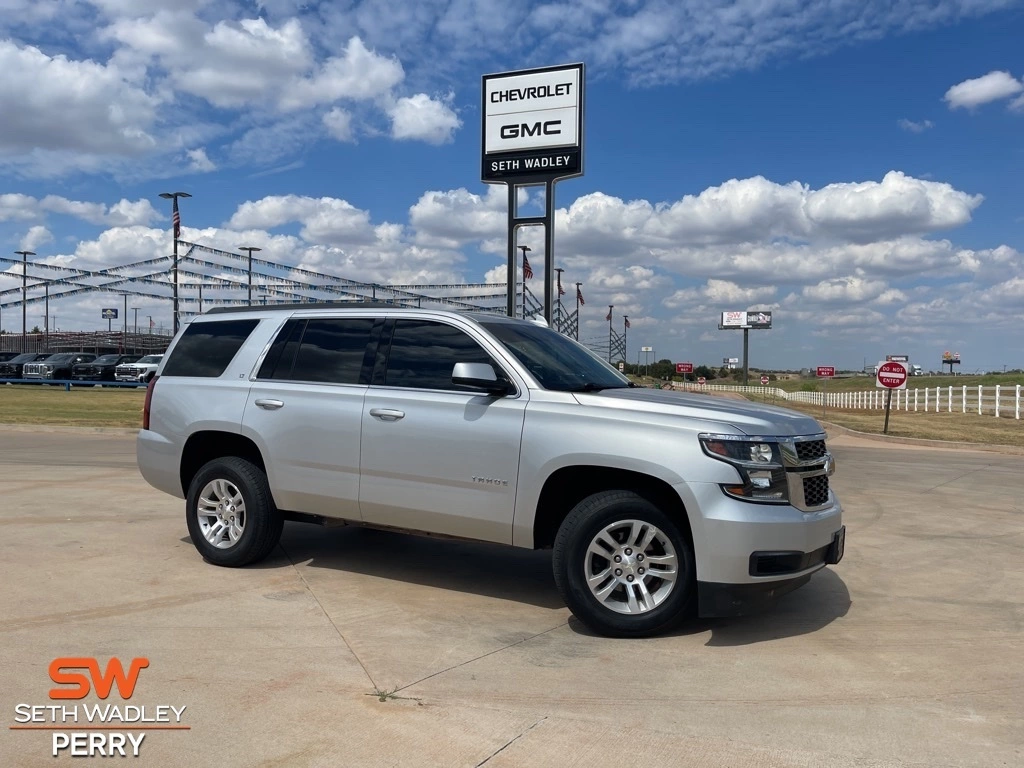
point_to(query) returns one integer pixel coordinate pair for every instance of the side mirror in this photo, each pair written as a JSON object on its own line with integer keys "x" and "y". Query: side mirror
{"x": 479, "y": 376}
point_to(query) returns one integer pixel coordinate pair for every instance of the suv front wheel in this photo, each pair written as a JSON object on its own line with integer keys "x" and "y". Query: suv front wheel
{"x": 230, "y": 514}
{"x": 624, "y": 567}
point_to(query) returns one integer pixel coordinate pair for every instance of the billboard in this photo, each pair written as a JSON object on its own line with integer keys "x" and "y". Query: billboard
{"x": 533, "y": 124}
{"x": 109, "y": 313}
{"x": 897, "y": 358}
{"x": 758, "y": 319}
{"x": 951, "y": 358}
{"x": 646, "y": 349}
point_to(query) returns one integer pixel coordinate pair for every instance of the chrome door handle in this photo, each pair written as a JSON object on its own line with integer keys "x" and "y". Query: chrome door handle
{"x": 269, "y": 405}
{"x": 387, "y": 414}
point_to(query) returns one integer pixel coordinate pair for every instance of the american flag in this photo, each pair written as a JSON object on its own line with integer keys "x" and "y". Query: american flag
{"x": 177, "y": 220}
{"x": 627, "y": 322}
{"x": 151, "y": 323}
{"x": 608, "y": 317}
{"x": 561, "y": 290}
{"x": 527, "y": 270}
{"x": 579, "y": 296}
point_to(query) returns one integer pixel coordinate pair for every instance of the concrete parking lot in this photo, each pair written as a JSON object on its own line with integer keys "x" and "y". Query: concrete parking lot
{"x": 909, "y": 653}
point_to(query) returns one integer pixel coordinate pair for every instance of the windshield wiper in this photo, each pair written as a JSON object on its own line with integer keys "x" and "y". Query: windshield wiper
{"x": 590, "y": 387}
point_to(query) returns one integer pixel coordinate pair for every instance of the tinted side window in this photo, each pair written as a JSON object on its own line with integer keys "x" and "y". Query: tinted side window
{"x": 206, "y": 349}
{"x": 281, "y": 355}
{"x": 332, "y": 351}
{"x": 423, "y": 354}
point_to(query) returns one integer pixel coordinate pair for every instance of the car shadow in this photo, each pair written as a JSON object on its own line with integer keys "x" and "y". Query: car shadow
{"x": 813, "y": 606}
{"x": 490, "y": 570}
{"x": 523, "y": 575}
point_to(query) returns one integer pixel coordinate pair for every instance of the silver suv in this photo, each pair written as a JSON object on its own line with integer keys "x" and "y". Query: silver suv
{"x": 656, "y": 504}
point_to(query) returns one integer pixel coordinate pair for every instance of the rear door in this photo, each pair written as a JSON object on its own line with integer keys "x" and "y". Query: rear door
{"x": 304, "y": 412}
{"x": 435, "y": 456}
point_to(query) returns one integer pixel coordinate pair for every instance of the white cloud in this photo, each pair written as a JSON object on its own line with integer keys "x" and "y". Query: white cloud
{"x": 900, "y": 204}
{"x": 359, "y": 74}
{"x": 339, "y": 124}
{"x": 324, "y": 220}
{"x": 35, "y": 237}
{"x": 911, "y": 127}
{"x": 457, "y": 217}
{"x": 53, "y": 104}
{"x": 853, "y": 290}
{"x": 199, "y": 162}
{"x": 422, "y": 118}
{"x": 994, "y": 86}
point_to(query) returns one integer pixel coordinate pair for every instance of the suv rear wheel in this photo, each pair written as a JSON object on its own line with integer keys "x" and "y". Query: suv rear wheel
{"x": 230, "y": 514}
{"x": 624, "y": 567}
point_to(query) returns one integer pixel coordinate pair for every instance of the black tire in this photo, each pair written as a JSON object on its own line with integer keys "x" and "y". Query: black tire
{"x": 263, "y": 522}
{"x": 570, "y": 559}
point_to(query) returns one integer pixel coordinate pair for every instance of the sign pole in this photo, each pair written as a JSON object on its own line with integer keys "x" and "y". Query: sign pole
{"x": 549, "y": 250}
{"x": 888, "y": 404}
{"x": 511, "y": 299}
{"x": 746, "y": 346}
{"x": 824, "y": 397}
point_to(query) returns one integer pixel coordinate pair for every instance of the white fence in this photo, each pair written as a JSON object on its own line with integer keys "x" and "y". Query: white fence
{"x": 1001, "y": 400}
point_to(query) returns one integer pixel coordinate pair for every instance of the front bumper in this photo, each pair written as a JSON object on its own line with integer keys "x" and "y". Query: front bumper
{"x": 716, "y": 599}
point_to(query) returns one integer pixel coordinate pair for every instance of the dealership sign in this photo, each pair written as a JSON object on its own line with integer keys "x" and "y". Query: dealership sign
{"x": 533, "y": 124}
{"x": 735, "y": 320}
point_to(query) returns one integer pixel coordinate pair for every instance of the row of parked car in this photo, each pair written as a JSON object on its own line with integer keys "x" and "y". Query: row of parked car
{"x": 78, "y": 366}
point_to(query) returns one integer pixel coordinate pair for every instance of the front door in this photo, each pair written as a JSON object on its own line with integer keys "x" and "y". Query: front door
{"x": 435, "y": 456}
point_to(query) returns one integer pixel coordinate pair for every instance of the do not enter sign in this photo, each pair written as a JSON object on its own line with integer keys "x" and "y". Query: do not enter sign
{"x": 702, "y": 380}
{"x": 765, "y": 380}
{"x": 891, "y": 375}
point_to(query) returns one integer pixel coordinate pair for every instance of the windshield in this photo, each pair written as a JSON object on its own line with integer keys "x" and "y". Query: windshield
{"x": 59, "y": 358}
{"x": 25, "y": 358}
{"x": 556, "y": 361}
{"x": 107, "y": 359}
{"x": 150, "y": 359}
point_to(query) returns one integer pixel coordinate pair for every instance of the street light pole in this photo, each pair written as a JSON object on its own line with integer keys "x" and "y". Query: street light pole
{"x": 46, "y": 320}
{"x": 250, "y": 249}
{"x": 135, "y": 333}
{"x": 176, "y": 223}
{"x": 24, "y": 297}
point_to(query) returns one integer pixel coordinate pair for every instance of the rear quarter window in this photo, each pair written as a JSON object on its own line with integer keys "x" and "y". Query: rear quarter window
{"x": 206, "y": 349}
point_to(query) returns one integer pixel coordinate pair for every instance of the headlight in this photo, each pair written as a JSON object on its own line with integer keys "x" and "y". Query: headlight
{"x": 48, "y": 368}
{"x": 758, "y": 462}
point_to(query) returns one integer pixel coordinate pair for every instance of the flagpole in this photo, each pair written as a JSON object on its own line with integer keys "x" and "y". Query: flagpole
{"x": 524, "y": 249}
{"x": 625, "y": 328}
{"x": 558, "y": 292}
{"x": 176, "y": 225}
{"x": 579, "y": 293}
{"x": 610, "y": 308}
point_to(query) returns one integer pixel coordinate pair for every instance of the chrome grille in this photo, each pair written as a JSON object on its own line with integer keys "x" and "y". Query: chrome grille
{"x": 816, "y": 490}
{"x": 812, "y": 449}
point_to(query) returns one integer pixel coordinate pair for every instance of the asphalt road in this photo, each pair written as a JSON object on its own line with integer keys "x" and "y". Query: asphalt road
{"x": 909, "y": 653}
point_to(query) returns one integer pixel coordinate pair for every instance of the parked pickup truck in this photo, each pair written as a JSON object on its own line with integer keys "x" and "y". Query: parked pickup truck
{"x": 101, "y": 369}
{"x": 56, "y": 366}
{"x": 141, "y": 370}
{"x": 655, "y": 504}
{"x": 14, "y": 367}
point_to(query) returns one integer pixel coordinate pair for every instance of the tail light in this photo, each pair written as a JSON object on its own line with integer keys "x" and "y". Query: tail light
{"x": 149, "y": 402}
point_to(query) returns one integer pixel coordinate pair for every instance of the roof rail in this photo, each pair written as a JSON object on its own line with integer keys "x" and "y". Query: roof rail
{"x": 308, "y": 305}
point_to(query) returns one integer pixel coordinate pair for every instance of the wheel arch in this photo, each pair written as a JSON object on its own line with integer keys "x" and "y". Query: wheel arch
{"x": 206, "y": 445}
{"x": 568, "y": 486}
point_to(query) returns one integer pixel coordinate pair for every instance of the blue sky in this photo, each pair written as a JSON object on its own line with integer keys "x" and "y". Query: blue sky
{"x": 854, "y": 166}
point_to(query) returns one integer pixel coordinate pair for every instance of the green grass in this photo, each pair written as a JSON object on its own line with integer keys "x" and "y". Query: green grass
{"x": 83, "y": 407}
{"x": 957, "y": 427}
{"x": 859, "y": 383}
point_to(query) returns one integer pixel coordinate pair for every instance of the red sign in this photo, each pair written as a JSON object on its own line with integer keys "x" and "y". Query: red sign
{"x": 765, "y": 380}
{"x": 702, "y": 380}
{"x": 684, "y": 367}
{"x": 892, "y": 375}
{"x": 826, "y": 371}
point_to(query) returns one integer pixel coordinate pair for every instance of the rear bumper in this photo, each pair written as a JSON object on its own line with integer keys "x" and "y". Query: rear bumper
{"x": 158, "y": 462}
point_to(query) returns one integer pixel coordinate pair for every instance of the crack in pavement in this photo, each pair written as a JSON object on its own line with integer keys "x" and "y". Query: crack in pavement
{"x": 958, "y": 477}
{"x": 511, "y": 741}
{"x": 482, "y": 656}
{"x": 320, "y": 605}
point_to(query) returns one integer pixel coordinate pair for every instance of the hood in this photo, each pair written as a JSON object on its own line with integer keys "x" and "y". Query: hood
{"x": 748, "y": 417}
